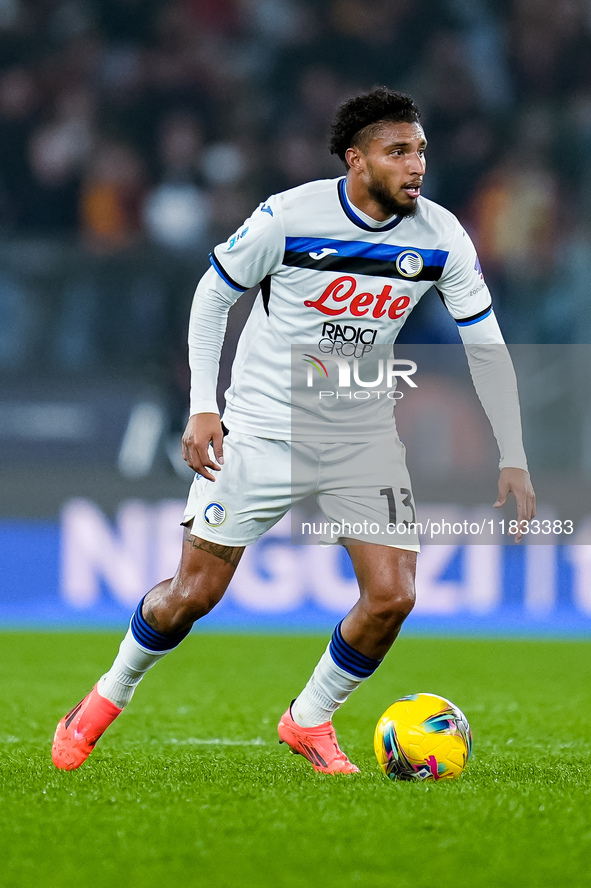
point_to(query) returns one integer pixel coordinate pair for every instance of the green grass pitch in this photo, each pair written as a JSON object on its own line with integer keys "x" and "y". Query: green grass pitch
{"x": 190, "y": 787}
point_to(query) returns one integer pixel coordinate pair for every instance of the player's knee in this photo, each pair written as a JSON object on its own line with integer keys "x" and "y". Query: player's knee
{"x": 406, "y": 600}
{"x": 395, "y": 607}
{"x": 392, "y": 603}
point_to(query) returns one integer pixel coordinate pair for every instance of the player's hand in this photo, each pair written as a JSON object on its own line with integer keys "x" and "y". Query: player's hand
{"x": 517, "y": 482}
{"x": 202, "y": 430}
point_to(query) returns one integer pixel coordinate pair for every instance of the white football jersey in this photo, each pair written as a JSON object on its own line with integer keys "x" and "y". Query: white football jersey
{"x": 333, "y": 277}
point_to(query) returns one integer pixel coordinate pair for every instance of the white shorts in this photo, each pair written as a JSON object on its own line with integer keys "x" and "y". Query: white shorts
{"x": 362, "y": 490}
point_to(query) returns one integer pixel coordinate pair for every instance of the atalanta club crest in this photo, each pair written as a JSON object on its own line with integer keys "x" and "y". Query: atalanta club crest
{"x": 410, "y": 263}
{"x": 214, "y": 514}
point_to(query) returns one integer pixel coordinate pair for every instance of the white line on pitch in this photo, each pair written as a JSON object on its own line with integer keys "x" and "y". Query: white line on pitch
{"x": 215, "y": 741}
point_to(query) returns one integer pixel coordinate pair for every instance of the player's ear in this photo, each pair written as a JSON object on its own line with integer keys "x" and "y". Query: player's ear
{"x": 353, "y": 156}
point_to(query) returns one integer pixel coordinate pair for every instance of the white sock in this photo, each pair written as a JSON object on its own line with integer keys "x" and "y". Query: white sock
{"x": 327, "y": 689}
{"x": 129, "y": 667}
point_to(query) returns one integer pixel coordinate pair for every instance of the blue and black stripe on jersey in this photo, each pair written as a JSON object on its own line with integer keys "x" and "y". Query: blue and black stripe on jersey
{"x": 472, "y": 319}
{"x": 265, "y": 283}
{"x": 360, "y": 257}
{"x": 224, "y": 274}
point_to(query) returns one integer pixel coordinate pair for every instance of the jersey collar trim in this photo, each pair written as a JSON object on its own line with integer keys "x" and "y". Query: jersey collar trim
{"x": 357, "y": 220}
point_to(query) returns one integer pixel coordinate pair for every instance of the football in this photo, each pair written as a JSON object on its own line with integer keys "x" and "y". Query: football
{"x": 422, "y": 737}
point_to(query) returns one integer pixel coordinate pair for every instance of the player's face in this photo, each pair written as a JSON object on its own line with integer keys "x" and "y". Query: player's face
{"x": 392, "y": 167}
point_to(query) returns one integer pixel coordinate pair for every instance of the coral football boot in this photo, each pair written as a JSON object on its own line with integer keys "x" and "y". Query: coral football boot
{"x": 78, "y": 731}
{"x": 319, "y": 745}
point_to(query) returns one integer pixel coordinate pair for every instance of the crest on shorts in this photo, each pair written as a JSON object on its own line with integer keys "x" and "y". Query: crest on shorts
{"x": 214, "y": 514}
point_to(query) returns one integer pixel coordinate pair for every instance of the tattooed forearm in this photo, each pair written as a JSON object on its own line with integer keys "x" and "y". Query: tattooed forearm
{"x": 230, "y": 554}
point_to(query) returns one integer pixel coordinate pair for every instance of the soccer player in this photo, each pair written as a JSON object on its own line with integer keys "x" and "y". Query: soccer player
{"x": 361, "y": 249}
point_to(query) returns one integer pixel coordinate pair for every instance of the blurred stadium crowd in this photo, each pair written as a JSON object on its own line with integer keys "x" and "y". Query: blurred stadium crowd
{"x": 134, "y": 134}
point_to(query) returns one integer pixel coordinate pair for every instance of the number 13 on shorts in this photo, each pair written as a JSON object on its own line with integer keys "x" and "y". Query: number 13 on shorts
{"x": 399, "y": 502}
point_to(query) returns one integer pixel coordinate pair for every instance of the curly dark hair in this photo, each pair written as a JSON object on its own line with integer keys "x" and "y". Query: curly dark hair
{"x": 353, "y": 118}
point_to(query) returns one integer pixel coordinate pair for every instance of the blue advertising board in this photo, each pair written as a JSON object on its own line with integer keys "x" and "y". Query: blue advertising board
{"x": 86, "y": 571}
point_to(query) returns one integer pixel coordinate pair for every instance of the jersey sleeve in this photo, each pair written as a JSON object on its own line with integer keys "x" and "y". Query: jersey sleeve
{"x": 462, "y": 286}
{"x": 207, "y": 327}
{"x": 494, "y": 379}
{"x": 255, "y": 250}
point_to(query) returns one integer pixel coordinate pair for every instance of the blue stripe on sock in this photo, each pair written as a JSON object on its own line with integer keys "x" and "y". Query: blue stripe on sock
{"x": 350, "y": 653}
{"x": 151, "y": 638}
{"x": 348, "y": 658}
